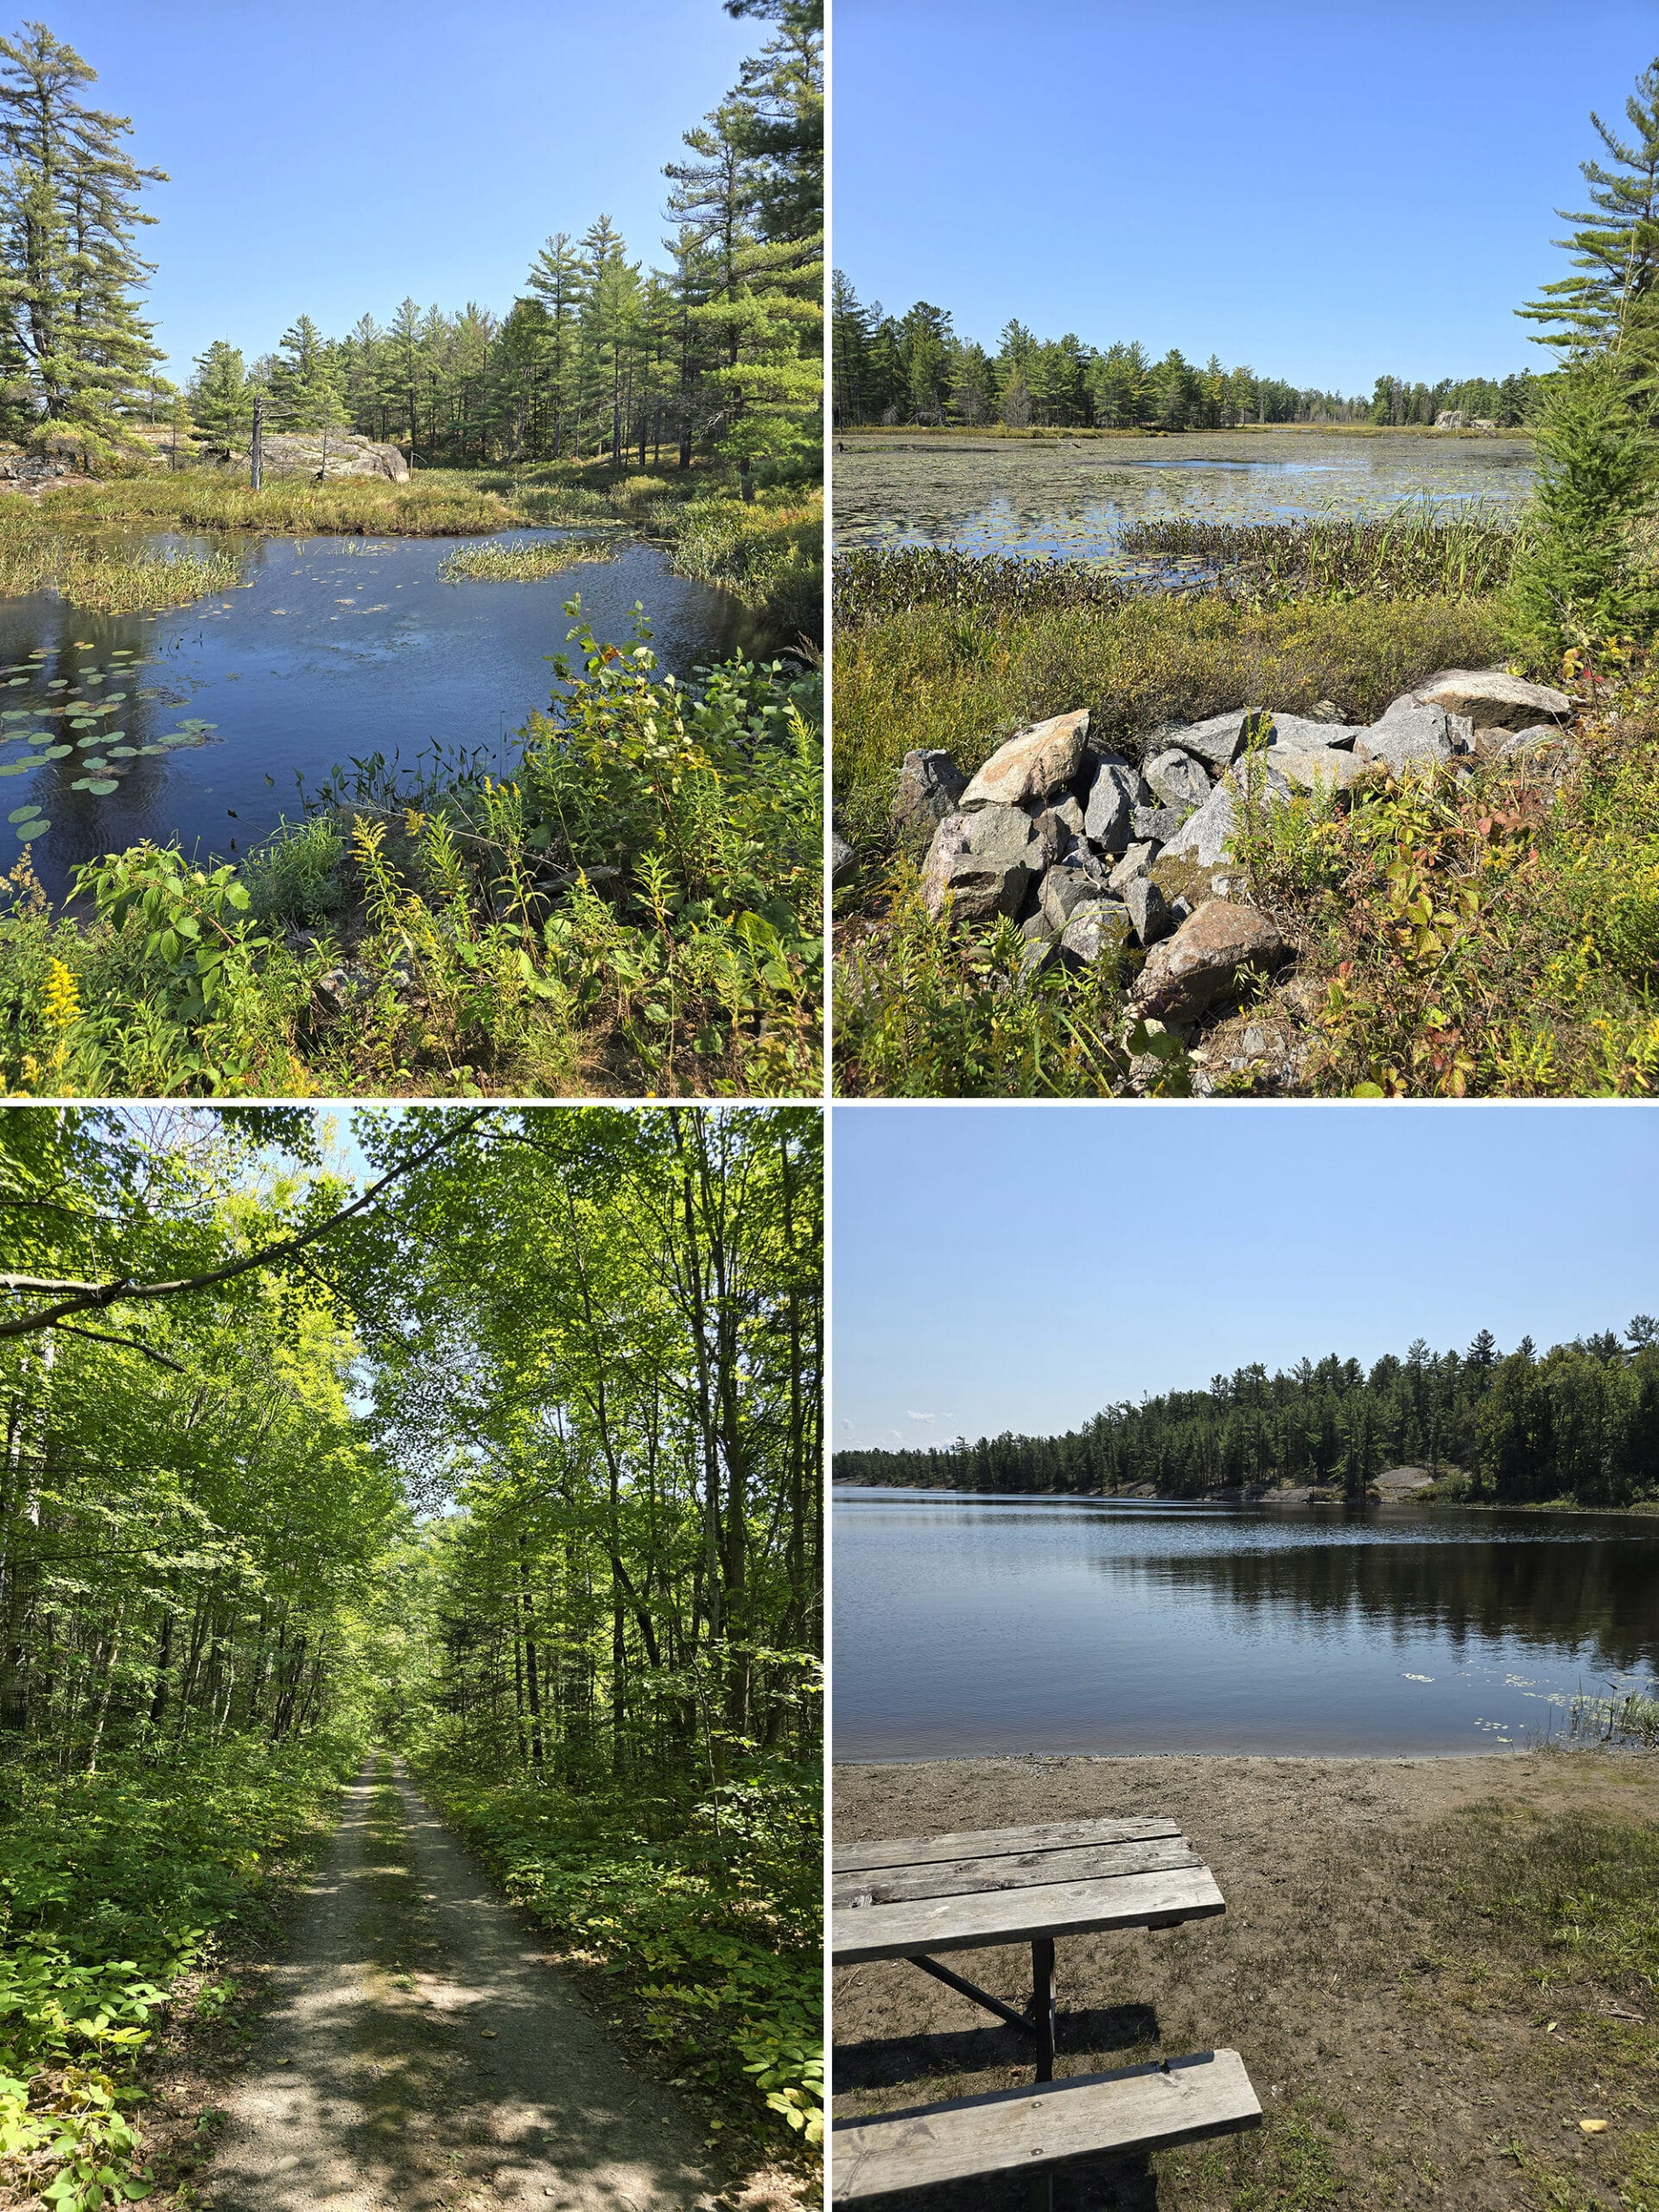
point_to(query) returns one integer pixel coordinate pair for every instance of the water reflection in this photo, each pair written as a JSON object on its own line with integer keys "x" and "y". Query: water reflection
{"x": 972, "y": 1624}
{"x": 1073, "y": 498}
{"x": 330, "y": 649}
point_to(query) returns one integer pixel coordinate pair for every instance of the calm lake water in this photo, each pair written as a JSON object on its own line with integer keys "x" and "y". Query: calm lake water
{"x": 1074, "y": 498}
{"x": 331, "y": 648}
{"x": 975, "y": 1625}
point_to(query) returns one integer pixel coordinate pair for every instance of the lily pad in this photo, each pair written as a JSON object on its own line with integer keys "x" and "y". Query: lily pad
{"x": 37, "y": 829}
{"x": 124, "y": 752}
{"x": 55, "y": 752}
{"x": 152, "y": 749}
{"x": 13, "y": 767}
{"x": 16, "y": 682}
{"x": 22, "y": 813}
{"x": 14, "y": 714}
{"x": 94, "y": 761}
{"x": 99, "y": 787}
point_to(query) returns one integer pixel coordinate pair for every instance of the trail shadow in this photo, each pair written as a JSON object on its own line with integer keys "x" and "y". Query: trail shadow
{"x": 879, "y": 2062}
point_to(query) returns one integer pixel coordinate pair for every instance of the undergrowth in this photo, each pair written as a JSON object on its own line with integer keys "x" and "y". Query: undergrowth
{"x": 638, "y": 910}
{"x": 701, "y": 1907}
{"x": 114, "y": 1886}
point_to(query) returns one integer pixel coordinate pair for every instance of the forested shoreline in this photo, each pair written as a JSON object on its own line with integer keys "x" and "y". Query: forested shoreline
{"x": 503, "y": 1452}
{"x": 1577, "y": 1424}
{"x": 917, "y": 368}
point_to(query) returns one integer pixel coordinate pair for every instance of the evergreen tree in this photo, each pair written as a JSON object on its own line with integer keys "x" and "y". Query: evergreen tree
{"x": 69, "y": 212}
{"x": 1615, "y": 248}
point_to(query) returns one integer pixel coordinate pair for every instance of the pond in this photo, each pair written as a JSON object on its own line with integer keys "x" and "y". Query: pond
{"x": 977, "y": 1626}
{"x": 195, "y": 724}
{"x": 1072, "y": 497}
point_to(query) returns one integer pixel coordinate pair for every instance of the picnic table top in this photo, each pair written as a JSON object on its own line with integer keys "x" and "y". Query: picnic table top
{"x": 1010, "y": 1885}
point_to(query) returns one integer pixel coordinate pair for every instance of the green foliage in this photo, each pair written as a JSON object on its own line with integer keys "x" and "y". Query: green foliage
{"x": 114, "y": 1886}
{"x": 640, "y": 909}
{"x": 1576, "y": 1422}
{"x": 297, "y": 874}
{"x": 1580, "y": 578}
{"x": 717, "y": 1937}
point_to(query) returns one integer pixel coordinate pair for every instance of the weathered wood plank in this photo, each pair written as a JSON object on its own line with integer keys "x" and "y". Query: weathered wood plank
{"x": 985, "y": 1843}
{"x": 966, "y": 1923}
{"x": 956, "y": 1877}
{"x": 1143, "y": 2108}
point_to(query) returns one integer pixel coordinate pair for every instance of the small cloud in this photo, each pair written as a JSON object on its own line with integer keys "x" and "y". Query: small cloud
{"x": 921, "y": 1416}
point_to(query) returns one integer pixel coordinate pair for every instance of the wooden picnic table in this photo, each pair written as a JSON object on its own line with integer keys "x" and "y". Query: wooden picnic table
{"x": 910, "y": 1899}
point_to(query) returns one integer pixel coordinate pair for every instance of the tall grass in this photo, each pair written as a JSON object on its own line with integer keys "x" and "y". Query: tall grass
{"x": 1419, "y": 550}
{"x": 523, "y": 560}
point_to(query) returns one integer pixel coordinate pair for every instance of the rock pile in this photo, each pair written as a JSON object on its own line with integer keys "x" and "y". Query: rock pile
{"x": 1092, "y": 853}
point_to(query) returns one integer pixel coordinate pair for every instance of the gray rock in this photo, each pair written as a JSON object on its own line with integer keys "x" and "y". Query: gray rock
{"x": 930, "y": 787}
{"x": 1313, "y": 770}
{"x": 1063, "y": 890}
{"x": 1204, "y": 836}
{"x": 1206, "y": 959}
{"x": 843, "y": 861}
{"x": 1492, "y": 699}
{"x": 1406, "y": 737}
{"x": 1004, "y": 833}
{"x": 1054, "y": 834}
{"x": 302, "y": 453}
{"x": 1039, "y": 954}
{"x": 1035, "y": 764}
{"x": 1097, "y": 931}
{"x": 1216, "y": 741}
{"x": 1117, "y": 791}
{"x": 950, "y": 840}
{"x": 1159, "y": 823}
{"x": 1177, "y": 779}
{"x": 1036, "y": 925}
{"x": 1148, "y": 914}
{"x": 1326, "y": 710}
{"x": 1138, "y": 859}
{"x": 1543, "y": 741}
{"x": 982, "y": 886}
{"x": 1297, "y": 732}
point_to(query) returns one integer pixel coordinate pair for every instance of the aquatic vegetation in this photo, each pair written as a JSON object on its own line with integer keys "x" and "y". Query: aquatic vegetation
{"x": 109, "y": 578}
{"x": 638, "y": 909}
{"x": 523, "y": 560}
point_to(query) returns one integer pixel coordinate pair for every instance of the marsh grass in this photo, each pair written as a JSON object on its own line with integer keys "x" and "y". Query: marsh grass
{"x": 523, "y": 560}
{"x": 104, "y": 576}
{"x": 1421, "y": 550}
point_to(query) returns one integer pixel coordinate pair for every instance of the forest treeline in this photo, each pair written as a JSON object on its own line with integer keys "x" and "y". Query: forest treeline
{"x": 916, "y": 368}
{"x": 1578, "y": 1422}
{"x": 717, "y": 352}
{"x": 514, "y": 1468}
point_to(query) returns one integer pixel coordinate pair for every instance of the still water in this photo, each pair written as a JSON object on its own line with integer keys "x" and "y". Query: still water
{"x": 331, "y": 648}
{"x": 1073, "y": 497}
{"x": 975, "y": 1625}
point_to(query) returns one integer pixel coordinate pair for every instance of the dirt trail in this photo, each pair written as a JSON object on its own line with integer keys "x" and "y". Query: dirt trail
{"x": 422, "y": 2053}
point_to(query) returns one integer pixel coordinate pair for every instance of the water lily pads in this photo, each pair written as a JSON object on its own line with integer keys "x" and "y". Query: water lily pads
{"x": 36, "y": 829}
{"x": 99, "y": 787}
{"x": 16, "y": 682}
{"x": 14, "y": 768}
{"x": 124, "y": 752}
{"x": 55, "y": 752}
{"x": 95, "y": 761}
{"x": 22, "y": 813}
{"x": 152, "y": 750}
{"x": 14, "y": 714}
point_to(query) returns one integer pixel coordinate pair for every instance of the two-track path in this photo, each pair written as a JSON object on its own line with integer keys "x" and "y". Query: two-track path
{"x": 425, "y": 2056}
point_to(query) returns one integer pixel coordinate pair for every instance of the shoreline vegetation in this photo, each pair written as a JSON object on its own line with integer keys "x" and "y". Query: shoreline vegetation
{"x": 639, "y": 907}
{"x": 860, "y": 434}
{"x": 1571, "y": 1426}
{"x": 1440, "y": 1973}
{"x": 1459, "y": 906}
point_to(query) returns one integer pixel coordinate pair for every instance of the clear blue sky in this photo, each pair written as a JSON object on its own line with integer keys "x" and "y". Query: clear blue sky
{"x": 1018, "y": 1267}
{"x": 1328, "y": 193}
{"x": 330, "y": 156}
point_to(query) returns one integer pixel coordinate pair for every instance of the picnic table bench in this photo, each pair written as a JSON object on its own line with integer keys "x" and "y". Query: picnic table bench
{"x": 910, "y": 1899}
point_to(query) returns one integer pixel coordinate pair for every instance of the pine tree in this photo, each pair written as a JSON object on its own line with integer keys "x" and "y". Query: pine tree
{"x": 220, "y": 399}
{"x": 68, "y": 213}
{"x": 1616, "y": 246}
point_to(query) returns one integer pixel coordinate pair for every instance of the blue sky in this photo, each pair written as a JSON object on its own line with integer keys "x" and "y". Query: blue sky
{"x": 330, "y": 156}
{"x": 1018, "y": 1267}
{"x": 1327, "y": 194}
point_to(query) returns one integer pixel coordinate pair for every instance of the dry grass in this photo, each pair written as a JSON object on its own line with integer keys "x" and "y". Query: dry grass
{"x": 1434, "y": 1970}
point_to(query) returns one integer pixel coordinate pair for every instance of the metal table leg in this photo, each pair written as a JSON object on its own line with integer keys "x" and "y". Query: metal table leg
{"x": 1042, "y": 2003}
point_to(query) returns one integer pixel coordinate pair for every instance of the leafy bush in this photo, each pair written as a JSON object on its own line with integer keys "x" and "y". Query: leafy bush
{"x": 640, "y": 910}
{"x": 113, "y": 1886}
{"x": 707, "y": 1909}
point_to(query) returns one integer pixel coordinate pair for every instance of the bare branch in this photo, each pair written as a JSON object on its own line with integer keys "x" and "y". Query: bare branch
{"x": 98, "y": 1337}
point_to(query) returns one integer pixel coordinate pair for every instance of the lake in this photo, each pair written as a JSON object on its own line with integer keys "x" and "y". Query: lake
{"x": 1072, "y": 497}
{"x": 330, "y": 648}
{"x": 969, "y": 1626}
